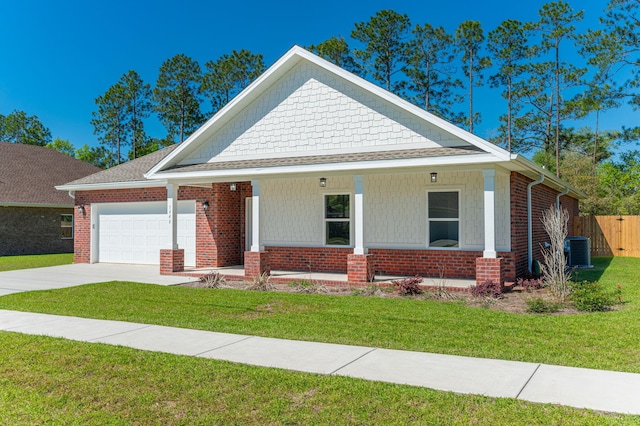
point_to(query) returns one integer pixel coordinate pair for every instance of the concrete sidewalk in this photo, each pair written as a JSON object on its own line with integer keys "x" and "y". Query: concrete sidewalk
{"x": 577, "y": 387}
{"x": 62, "y": 276}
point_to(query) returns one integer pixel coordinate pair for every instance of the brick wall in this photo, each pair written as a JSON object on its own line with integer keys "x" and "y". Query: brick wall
{"x": 542, "y": 197}
{"x": 32, "y": 230}
{"x": 313, "y": 259}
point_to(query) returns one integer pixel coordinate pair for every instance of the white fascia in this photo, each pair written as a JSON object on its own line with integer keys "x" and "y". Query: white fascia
{"x": 113, "y": 185}
{"x": 10, "y": 204}
{"x": 550, "y": 178}
{"x": 229, "y": 174}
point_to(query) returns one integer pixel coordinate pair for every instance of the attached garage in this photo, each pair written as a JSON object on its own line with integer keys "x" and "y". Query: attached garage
{"x": 136, "y": 232}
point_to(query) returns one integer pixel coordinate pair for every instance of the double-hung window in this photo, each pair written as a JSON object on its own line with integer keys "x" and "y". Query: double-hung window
{"x": 66, "y": 226}
{"x": 444, "y": 218}
{"x": 337, "y": 219}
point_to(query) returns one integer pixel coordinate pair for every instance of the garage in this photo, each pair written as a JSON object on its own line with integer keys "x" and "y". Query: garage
{"x": 135, "y": 232}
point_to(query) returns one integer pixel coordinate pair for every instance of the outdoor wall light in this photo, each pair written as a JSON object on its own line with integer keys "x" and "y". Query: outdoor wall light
{"x": 81, "y": 208}
{"x": 205, "y": 205}
{"x": 232, "y": 187}
{"x": 434, "y": 177}
{"x": 323, "y": 182}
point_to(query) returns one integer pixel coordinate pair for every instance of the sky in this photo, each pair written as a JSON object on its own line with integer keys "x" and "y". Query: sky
{"x": 58, "y": 56}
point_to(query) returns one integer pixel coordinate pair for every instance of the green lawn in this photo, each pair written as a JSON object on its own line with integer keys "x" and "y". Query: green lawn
{"x": 55, "y": 381}
{"x": 609, "y": 340}
{"x": 10, "y": 263}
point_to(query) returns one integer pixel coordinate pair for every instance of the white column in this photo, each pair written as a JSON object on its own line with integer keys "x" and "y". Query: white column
{"x": 172, "y": 214}
{"x": 489, "y": 213}
{"x": 358, "y": 215}
{"x": 255, "y": 216}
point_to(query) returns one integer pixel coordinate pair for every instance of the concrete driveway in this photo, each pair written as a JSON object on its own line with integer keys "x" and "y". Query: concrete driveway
{"x": 82, "y": 273}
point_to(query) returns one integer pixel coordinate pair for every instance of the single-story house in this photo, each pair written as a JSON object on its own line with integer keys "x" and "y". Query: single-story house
{"x": 312, "y": 168}
{"x": 35, "y": 218}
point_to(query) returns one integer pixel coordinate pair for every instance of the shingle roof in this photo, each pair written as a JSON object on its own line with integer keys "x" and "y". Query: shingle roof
{"x": 131, "y": 171}
{"x": 29, "y": 173}
{"x": 326, "y": 159}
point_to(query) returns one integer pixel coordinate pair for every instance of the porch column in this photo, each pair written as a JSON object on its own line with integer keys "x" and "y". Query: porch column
{"x": 172, "y": 258}
{"x": 172, "y": 214}
{"x": 256, "y": 261}
{"x": 358, "y": 215}
{"x": 255, "y": 216}
{"x": 489, "y": 214}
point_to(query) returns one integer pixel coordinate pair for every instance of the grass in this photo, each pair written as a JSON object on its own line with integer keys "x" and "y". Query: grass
{"x": 11, "y": 263}
{"x": 609, "y": 340}
{"x": 55, "y": 381}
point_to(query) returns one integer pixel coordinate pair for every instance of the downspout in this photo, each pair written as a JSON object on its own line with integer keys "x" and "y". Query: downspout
{"x": 529, "y": 224}
{"x": 565, "y": 192}
{"x": 72, "y": 194}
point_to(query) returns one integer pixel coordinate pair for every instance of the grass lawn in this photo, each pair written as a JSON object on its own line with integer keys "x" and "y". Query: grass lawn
{"x": 55, "y": 381}
{"x": 10, "y": 263}
{"x": 609, "y": 340}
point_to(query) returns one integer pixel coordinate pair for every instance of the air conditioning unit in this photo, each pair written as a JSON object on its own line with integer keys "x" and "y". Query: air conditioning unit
{"x": 578, "y": 252}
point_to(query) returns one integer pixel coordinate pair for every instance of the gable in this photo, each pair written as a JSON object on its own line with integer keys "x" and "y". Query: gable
{"x": 311, "y": 111}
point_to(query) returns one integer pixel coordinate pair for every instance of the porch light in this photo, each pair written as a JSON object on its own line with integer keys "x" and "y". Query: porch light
{"x": 205, "y": 205}
{"x": 81, "y": 208}
{"x": 323, "y": 182}
{"x": 434, "y": 177}
{"x": 232, "y": 187}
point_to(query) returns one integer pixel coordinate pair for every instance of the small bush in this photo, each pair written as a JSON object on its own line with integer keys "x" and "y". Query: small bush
{"x": 371, "y": 289}
{"x": 212, "y": 280}
{"x": 590, "y": 296}
{"x": 488, "y": 288}
{"x": 529, "y": 284}
{"x": 408, "y": 286}
{"x": 308, "y": 287}
{"x": 261, "y": 283}
{"x": 542, "y": 306}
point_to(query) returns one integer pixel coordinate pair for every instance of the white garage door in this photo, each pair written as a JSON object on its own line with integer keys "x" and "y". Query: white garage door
{"x": 135, "y": 232}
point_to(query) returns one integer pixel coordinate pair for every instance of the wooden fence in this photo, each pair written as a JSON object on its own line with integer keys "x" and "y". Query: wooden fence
{"x": 610, "y": 235}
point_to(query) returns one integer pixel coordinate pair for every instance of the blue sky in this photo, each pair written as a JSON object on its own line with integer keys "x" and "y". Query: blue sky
{"x": 58, "y": 56}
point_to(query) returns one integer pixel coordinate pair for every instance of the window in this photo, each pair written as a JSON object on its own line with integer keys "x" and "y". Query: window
{"x": 444, "y": 219}
{"x": 337, "y": 220}
{"x": 66, "y": 226}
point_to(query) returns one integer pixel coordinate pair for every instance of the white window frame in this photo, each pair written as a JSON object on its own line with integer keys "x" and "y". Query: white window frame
{"x": 458, "y": 220}
{"x": 64, "y": 227}
{"x": 325, "y": 220}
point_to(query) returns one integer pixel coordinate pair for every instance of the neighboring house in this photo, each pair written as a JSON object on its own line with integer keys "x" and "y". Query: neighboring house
{"x": 312, "y": 168}
{"x": 35, "y": 218}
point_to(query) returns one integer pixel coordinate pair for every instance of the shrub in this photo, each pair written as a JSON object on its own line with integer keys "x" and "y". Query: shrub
{"x": 590, "y": 296}
{"x": 212, "y": 280}
{"x": 529, "y": 284}
{"x": 308, "y": 287}
{"x": 542, "y": 306}
{"x": 488, "y": 288}
{"x": 408, "y": 286}
{"x": 261, "y": 283}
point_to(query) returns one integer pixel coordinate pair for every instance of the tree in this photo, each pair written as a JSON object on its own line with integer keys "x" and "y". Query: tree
{"x": 554, "y": 268}
{"x": 137, "y": 98}
{"x": 109, "y": 121}
{"x": 18, "y": 127}
{"x": 63, "y": 146}
{"x": 229, "y": 75}
{"x": 508, "y": 45}
{"x": 384, "y": 42}
{"x": 469, "y": 38}
{"x": 556, "y": 24}
{"x": 430, "y": 70}
{"x": 176, "y": 96}
{"x": 99, "y": 156}
{"x": 336, "y": 50}
{"x": 615, "y": 48}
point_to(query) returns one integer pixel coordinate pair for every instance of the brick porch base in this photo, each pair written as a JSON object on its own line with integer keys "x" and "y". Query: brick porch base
{"x": 171, "y": 261}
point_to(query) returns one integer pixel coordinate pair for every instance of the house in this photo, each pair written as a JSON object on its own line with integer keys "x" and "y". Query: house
{"x": 35, "y": 218}
{"x": 312, "y": 168}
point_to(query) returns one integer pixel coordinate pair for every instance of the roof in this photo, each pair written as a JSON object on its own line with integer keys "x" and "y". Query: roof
{"x": 29, "y": 174}
{"x": 131, "y": 171}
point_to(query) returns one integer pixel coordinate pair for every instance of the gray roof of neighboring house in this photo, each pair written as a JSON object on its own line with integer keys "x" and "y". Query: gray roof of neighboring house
{"x": 131, "y": 171}
{"x": 327, "y": 159}
{"x": 29, "y": 174}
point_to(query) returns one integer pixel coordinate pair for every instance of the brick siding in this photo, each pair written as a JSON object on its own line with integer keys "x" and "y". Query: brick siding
{"x": 32, "y": 230}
